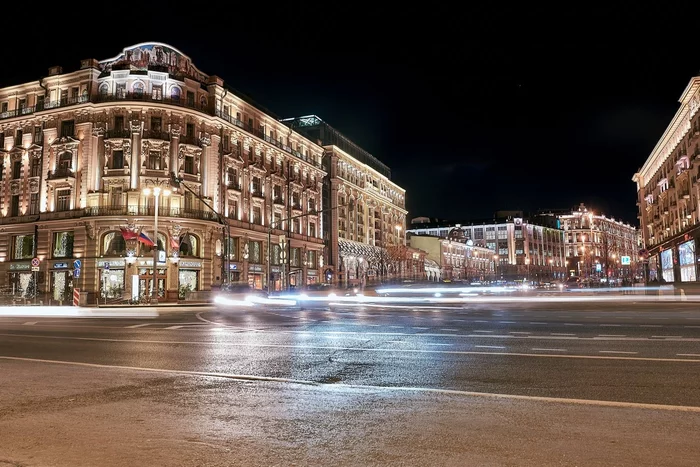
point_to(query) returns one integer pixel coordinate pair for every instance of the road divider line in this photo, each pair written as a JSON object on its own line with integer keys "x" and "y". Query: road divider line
{"x": 520, "y": 332}
{"x": 667, "y": 337}
{"x": 481, "y": 330}
{"x": 507, "y": 322}
{"x": 537, "y": 322}
{"x": 547, "y": 350}
{"x": 174, "y": 327}
{"x": 618, "y": 352}
{"x": 611, "y": 335}
{"x": 450, "y": 330}
{"x": 453, "y": 392}
{"x": 489, "y": 347}
{"x": 561, "y": 334}
{"x": 610, "y": 325}
{"x": 688, "y": 354}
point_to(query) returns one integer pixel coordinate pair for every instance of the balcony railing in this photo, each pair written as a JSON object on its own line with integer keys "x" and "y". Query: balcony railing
{"x": 234, "y": 186}
{"x": 143, "y": 97}
{"x": 60, "y": 173}
{"x": 191, "y": 140}
{"x": 156, "y": 134}
{"x": 150, "y": 211}
{"x": 120, "y": 133}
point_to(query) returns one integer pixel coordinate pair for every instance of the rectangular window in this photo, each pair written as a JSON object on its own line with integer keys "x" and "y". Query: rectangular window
{"x": 63, "y": 200}
{"x": 121, "y": 90}
{"x": 23, "y": 247}
{"x": 257, "y": 215}
{"x": 255, "y": 252}
{"x": 18, "y": 138}
{"x": 189, "y": 130}
{"x": 63, "y": 244}
{"x": 67, "y": 128}
{"x": 34, "y": 204}
{"x": 14, "y": 206}
{"x": 3, "y": 107}
{"x": 233, "y": 209}
{"x": 189, "y": 201}
{"x": 38, "y": 137}
{"x": 190, "y": 98}
{"x": 119, "y": 123}
{"x": 312, "y": 229}
{"x": 189, "y": 165}
{"x": 118, "y": 159}
{"x": 40, "y": 102}
{"x": 156, "y": 124}
{"x": 155, "y": 161}
{"x": 116, "y": 196}
{"x": 233, "y": 248}
{"x": 157, "y": 92}
{"x": 257, "y": 188}
{"x": 16, "y": 170}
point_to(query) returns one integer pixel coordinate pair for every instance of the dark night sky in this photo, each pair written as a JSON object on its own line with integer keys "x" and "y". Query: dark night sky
{"x": 474, "y": 109}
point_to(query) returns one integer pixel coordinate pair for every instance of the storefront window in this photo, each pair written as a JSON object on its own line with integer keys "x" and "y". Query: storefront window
{"x": 112, "y": 283}
{"x": 63, "y": 244}
{"x": 23, "y": 247}
{"x": 667, "y": 265}
{"x": 233, "y": 248}
{"x": 311, "y": 260}
{"x": 653, "y": 268}
{"x": 255, "y": 252}
{"x": 686, "y": 259}
{"x": 113, "y": 244}
{"x": 188, "y": 281}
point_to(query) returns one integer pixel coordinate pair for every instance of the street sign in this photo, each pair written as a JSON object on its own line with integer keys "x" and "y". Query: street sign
{"x": 106, "y": 267}
{"x": 35, "y": 262}
{"x": 76, "y": 272}
{"x": 35, "y": 268}
{"x": 625, "y": 260}
{"x": 77, "y": 264}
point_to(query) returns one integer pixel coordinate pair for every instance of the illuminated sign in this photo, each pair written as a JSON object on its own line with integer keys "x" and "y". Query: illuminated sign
{"x": 625, "y": 260}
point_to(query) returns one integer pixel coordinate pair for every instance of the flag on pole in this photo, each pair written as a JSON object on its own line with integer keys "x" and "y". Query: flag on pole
{"x": 143, "y": 238}
{"x": 174, "y": 243}
{"x": 128, "y": 234}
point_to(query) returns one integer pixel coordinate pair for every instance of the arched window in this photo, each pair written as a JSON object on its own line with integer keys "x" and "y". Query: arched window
{"x": 138, "y": 89}
{"x": 104, "y": 89}
{"x": 189, "y": 245}
{"x": 175, "y": 94}
{"x": 147, "y": 249}
{"x": 113, "y": 244}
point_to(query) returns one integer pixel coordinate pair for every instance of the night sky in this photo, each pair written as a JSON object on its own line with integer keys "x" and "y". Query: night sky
{"x": 474, "y": 109}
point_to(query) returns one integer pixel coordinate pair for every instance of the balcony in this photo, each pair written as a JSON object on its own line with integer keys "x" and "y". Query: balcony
{"x": 156, "y": 134}
{"x": 191, "y": 140}
{"x": 183, "y": 213}
{"x": 138, "y": 97}
{"x": 120, "y": 133}
{"x": 60, "y": 173}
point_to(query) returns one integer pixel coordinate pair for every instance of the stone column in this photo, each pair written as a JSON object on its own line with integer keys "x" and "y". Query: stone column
{"x": 204, "y": 164}
{"x": 135, "y": 165}
{"x": 174, "y": 148}
{"x": 98, "y": 157}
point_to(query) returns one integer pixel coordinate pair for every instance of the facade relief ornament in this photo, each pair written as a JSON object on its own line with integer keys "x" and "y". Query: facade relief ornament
{"x": 14, "y": 187}
{"x": 206, "y": 139}
{"x": 135, "y": 126}
{"x": 34, "y": 185}
{"x": 175, "y": 130}
{"x": 98, "y": 131}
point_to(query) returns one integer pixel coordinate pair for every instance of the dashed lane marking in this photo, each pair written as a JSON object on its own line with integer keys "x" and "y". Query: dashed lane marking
{"x": 537, "y": 349}
{"x": 618, "y": 352}
{"x": 137, "y": 325}
{"x": 30, "y": 323}
{"x": 488, "y": 347}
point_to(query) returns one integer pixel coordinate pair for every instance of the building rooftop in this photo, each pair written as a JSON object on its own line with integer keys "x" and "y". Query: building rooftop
{"x": 316, "y": 129}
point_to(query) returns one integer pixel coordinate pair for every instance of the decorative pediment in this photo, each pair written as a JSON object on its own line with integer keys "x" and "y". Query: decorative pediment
{"x": 34, "y": 185}
{"x": 67, "y": 141}
{"x": 234, "y": 156}
{"x": 16, "y": 153}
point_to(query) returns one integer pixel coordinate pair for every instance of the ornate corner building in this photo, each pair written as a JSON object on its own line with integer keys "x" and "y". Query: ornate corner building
{"x": 366, "y": 215}
{"x": 668, "y": 195}
{"x": 78, "y": 151}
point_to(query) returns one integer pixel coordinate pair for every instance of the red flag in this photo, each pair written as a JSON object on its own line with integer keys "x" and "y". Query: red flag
{"x": 174, "y": 243}
{"x": 128, "y": 234}
{"x": 143, "y": 238}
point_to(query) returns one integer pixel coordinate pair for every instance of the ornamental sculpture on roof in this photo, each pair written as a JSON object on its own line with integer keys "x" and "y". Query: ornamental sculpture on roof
{"x": 153, "y": 56}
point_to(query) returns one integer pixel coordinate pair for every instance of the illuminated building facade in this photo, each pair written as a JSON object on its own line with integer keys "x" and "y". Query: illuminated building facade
{"x": 668, "y": 195}
{"x": 522, "y": 249}
{"x": 599, "y": 247}
{"x": 456, "y": 257}
{"x": 366, "y": 219}
{"x": 82, "y": 152}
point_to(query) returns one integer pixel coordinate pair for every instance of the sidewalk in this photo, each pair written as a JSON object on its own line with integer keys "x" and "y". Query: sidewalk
{"x": 112, "y": 311}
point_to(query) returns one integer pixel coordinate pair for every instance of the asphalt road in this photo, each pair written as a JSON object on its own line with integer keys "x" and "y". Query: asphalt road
{"x": 519, "y": 383}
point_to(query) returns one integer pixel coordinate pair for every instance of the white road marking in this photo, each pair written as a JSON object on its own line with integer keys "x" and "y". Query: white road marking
{"x": 479, "y": 330}
{"x": 30, "y": 323}
{"x": 650, "y": 326}
{"x": 138, "y": 325}
{"x": 691, "y": 326}
{"x": 507, "y": 322}
{"x": 396, "y": 327}
{"x": 489, "y": 347}
{"x": 610, "y": 325}
{"x": 587, "y": 402}
{"x": 536, "y": 322}
{"x": 611, "y": 335}
{"x": 416, "y": 327}
{"x": 520, "y": 332}
{"x": 547, "y": 350}
{"x": 561, "y": 334}
{"x": 362, "y": 349}
{"x": 664, "y": 337}
{"x": 573, "y": 324}
{"x": 688, "y": 354}
{"x": 451, "y": 330}
{"x": 481, "y": 321}
{"x": 618, "y": 352}
{"x": 437, "y": 343}
{"x": 174, "y": 327}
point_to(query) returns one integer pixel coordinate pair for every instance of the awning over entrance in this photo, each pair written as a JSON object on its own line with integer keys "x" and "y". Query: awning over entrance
{"x": 361, "y": 250}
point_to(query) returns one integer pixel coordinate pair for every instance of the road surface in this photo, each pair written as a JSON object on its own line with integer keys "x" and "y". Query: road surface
{"x": 524, "y": 383}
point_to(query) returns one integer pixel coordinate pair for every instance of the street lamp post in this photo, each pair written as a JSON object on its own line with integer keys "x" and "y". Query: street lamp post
{"x": 159, "y": 187}
{"x": 495, "y": 268}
